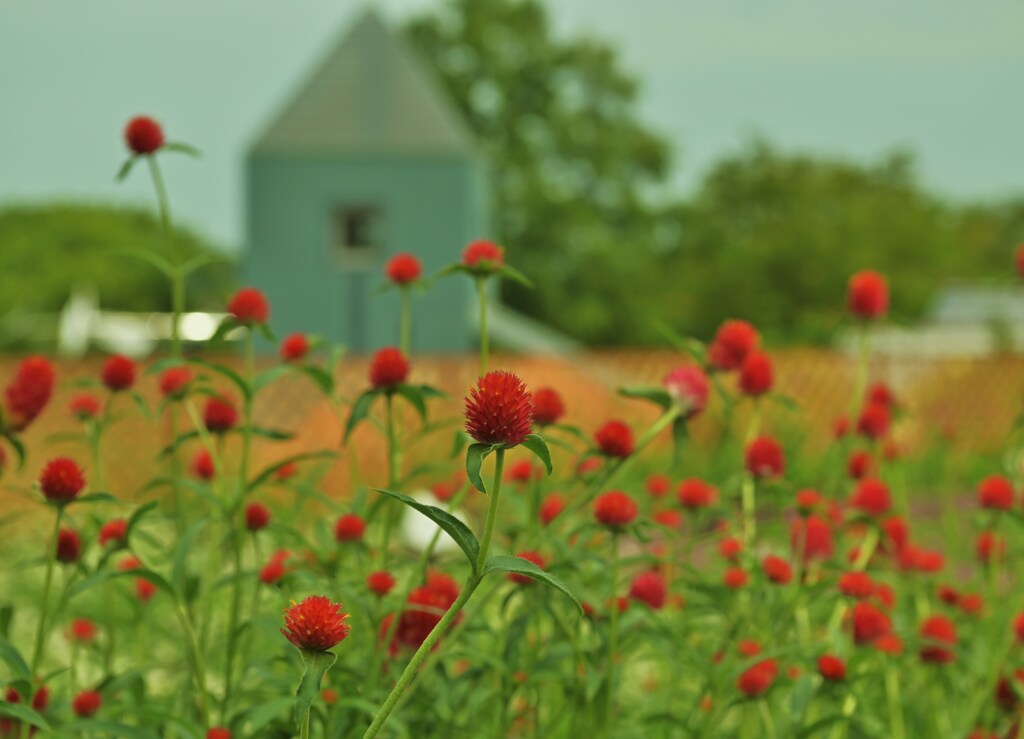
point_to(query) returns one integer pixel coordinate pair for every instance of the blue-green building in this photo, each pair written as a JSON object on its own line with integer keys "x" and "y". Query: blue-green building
{"x": 368, "y": 159}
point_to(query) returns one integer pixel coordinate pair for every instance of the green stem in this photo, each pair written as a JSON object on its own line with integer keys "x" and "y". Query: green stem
{"x": 766, "y": 718}
{"x": 37, "y": 653}
{"x": 861, "y": 380}
{"x": 613, "y": 636}
{"x": 177, "y": 277}
{"x": 197, "y": 662}
{"x": 405, "y": 323}
{"x": 492, "y": 509}
{"x": 892, "y": 691}
{"x": 304, "y": 731}
{"x": 481, "y": 290}
{"x": 388, "y": 508}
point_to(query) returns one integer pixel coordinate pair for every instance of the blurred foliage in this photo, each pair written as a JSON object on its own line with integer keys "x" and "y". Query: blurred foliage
{"x": 46, "y": 251}
{"x": 768, "y": 236}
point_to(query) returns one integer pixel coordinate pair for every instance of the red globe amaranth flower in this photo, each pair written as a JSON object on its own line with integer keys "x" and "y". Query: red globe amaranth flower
{"x": 218, "y": 732}
{"x": 86, "y": 703}
{"x": 812, "y": 535}
{"x": 28, "y": 392}
{"x": 756, "y": 680}
{"x": 649, "y": 587}
{"x": 249, "y": 307}
{"x": 548, "y": 406}
{"x": 329, "y": 696}
{"x": 174, "y": 382}
{"x": 403, "y": 269}
{"x": 731, "y": 345}
{"x": 219, "y": 414}
{"x": 922, "y": 560}
{"x": 275, "y": 569}
{"x": 938, "y": 633}
{"x": 388, "y": 368}
{"x": 615, "y": 509}
{"x": 1007, "y": 694}
{"x": 735, "y": 578}
{"x": 857, "y": 585}
{"x": 756, "y": 376}
{"x": 294, "y": 347}
{"x": 868, "y": 295}
{"x": 869, "y": 623}
{"x": 879, "y": 392}
{"x": 316, "y": 624}
{"x": 69, "y": 546}
{"x": 523, "y": 472}
{"x": 85, "y": 407}
{"x": 995, "y": 492}
{"x": 499, "y": 410}
{"x": 349, "y": 527}
{"x": 257, "y": 516}
{"x": 114, "y": 530}
{"x": 896, "y": 534}
{"x": 694, "y": 493}
{"x": 947, "y": 594}
{"x": 143, "y": 135}
{"x": 202, "y": 465}
{"x": 287, "y": 471}
{"x": 807, "y": 501}
{"x": 41, "y": 699}
{"x": 550, "y": 509}
{"x": 424, "y": 609}
{"x": 118, "y": 373}
{"x": 658, "y": 485}
{"x": 82, "y": 630}
{"x": 872, "y": 497}
{"x": 668, "y": 518}
{"x": 841, "y": 427}
{"x": 831, "y": 668}
{"x": 889, "y": 644}
{"x": 730, "y": 548}
{"x": 380, "y": 582}
{"x": 874, "y": 421}
{"x": 61, "y": 480}
{"x": 534, "y": 557}
{"x": 859, "y": 464}
{"x": 765, "y": 458}
{"x": 1018, "y": 627}
{"x": 988, "y": 544}
{"x": 614, "y": 439}
{"x": 972, "y": 604}
{"x": 689, "y": 388}
{"x": 777, "y": 570}
{"x": 483, "y": 256}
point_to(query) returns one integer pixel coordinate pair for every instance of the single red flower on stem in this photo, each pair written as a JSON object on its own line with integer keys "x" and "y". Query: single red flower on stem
{"x": 85, "y": 407}
{"x": 219, "y": 414}
{"x": 202, "y": 465}
{"x": 294, "y": 347}
{"x": 938, "y": 633}
{"x": 756, "y": 376}
{"x": 730, "y": 548}
{"x": 756, "y": 680}
{"x": 765, "y": 458}
{"x": 114, "y": 530}
{"x": 257, "y": 516}
{"x": 614, "y": 439}
{"x": 857, "y": 585}
{"x": 735, "y": 578}
{"x": 388, "y": 368}
{"x": 869, "y": 623}
{"x": 872, "y": 497}
{"x": 499, "y": 410}
{"x": 218, "y": 732}
{"x": 403, "y": 269}
{"x": 483, "y": 256}
{"x": 82, "y": 630}
{"x": 349, "y": 527}
{"x": 548, "y": 406}
{"x": 832, "y": 668}
{"x": 316, "y": 624}
{"x": 28, "y": 392}
{"x": 874, "y": 421}
{"x": 174, "y": 382}
{"x": 694, "y": 493}
{"x": 86, "y": 703}
{"x": 689, "y": 388}
{"x": 61, "y": 480}
{"x": 777, "y": 570}
{"x": 615, "y": 509}
{"x": 118, "y": 373}
{"x": 732, "y": 343}
{"x": 859, "y": 464}
{"x": 69, "y": 546}
{"x": 868, "y": 295}
{"x": 533, "y": 557}
{"x": 380, "y": 582}
{"x": 649, "y": 587}
{"x": 995, "y": 492}
{"x": 550, "y": 509}
{"x": 813, "y": 536}
{"x": 249, "y": 307}
{"x": 143, "y": 135}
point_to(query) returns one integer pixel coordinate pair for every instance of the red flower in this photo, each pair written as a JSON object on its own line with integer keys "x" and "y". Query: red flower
{"x": 988, "y": 544}
{"x": 114, "y": 530}
{"x": 286, "y": 471}
{"x": 548, "y": 407}
{"x": 615, "y": 509}
{"x": 730, "y": 548}
{"x": 734, "y": 340}
{"x": 144, "y": 589}
{"x": 82, "y": 630}
{"x": 669, "y": 518}
{"x": 831, "y": 668}
{"x": 219, "y": 414}
{"x": 552, "y": 506}
{"x": 1018, "y": 627}
{"x": 499, "y": 410}
{"x": 972, "y": 604}
{"x": 657, "y": 485}
{"x": 756, "y": 375}
{"x": 649, "y": 587}
{"x": 614, "y": 439}
{"x": 41, "y": 699}
{"x": 756, "y": 680}
{"x": 425, "y": 607}
{"x": 349, "y": 527}
{"x": 61, "y": 480}
{"x": 874, "y": 421}
{"x": 872, "y": 497}
{"x": 534, "y": 557}
{"x": 841, "y": 427}
{"x": 174, "y": 382}
{"x": 814, "y": 536}
{"x": 403, "y": 269}
{"x": 118, "y": 373}
{"x": 218, "y": 732}
{"x": 896, "y": 533}
{"x": 889, "y": 644}
{"x": 316, "y": 624}
{"x": 995, "y": 492}
{"x": 388, "y": 368}
{"x": 735, "y": 578}
{"x": 881, "y": 393}
{"x": 807, "y": 501}
{"x": 143, "y": 135}
{"x": 777, "y": 569}
{"x": 856, "y": 585}
{"x": 869, "y": 623}
{"x": 249, "y": 307}
{"x": 85, "y": 406}
{"x": 257, "y": 516}
{"x": 523, "y": 471}
{"x": 694, "y": 493}
{"x": 69, "y": 546}
{"x": 689, "y": 388}
{"x": 868, "y": 295}
{"x": 483, "y": 256}
{"x": 86, "y": 703}
{"x": 275, "y": 569}
{"x": 28, "y": 392}
{"x": 445, "y": 490}
{"x": 938, "y": 632}
{"x": 380, "y": 582}
{"x": 294, "y": 347}
{"x": 202, "y": 465}
{"x": 858, "y": 464}
{"x": 765, "y": 458}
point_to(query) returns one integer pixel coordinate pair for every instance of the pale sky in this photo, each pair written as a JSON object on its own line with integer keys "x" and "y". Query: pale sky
{"x": 942, "y": 78}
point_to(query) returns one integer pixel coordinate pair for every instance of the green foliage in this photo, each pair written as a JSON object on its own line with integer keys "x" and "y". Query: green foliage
{"x": 48, "y": 250}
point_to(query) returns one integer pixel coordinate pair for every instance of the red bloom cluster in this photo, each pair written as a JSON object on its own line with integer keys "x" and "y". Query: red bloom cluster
{"x": 649, "y": 587}
{"x": 483, "y": 256}
{"x": 694, "y": 493}
{"x": 82, "y": 630}
{"x": 550, "y": 508}
{"x": 614, "y": 439}
{"x": 143, "y": 135}
{"x": 765, "y": 458}
{"x": 275, "y": 568}
{"x": 938, "y": 633}
{"x": 533, "y": 557}
{"x": 249, "y": 307}
{"x": 874, "y": 421}
{"x": 995, "y": 492}
{"x": 316, "y": 624}
{"x": 868, "y": 295}
{"x": 294, "y": 347}
{"x": 689, "y": 388}
{"x": 424, "y": 608}
{"x": 257, "y": 516}
{"x": 118, "y": 373}
{"x": 202, "y": 465}
{"x": 548, "y": 406}
{"x": 872, "y": 497}
{"x": 69, "y": 546}
{"x": 28, "y": 392}
{"x": 380, "y": 582}
{"x": 388, "y": 368}
{"x": 349, "y": 527}
{"x": 731, "y": 345}
{"x": 174, "y": 382}
{"x": 86, "y": 703}
{"x": 61, "y": 480}
{"x": 403, "y": 269}
{"x": 219, "y": 414}
{"x": 777, "y": 570}
{"x": 615, "y": 509}
{"x": 114, "y": 530}
{"x": 499, "y": 410}
{"x": 85, "y": 407}
{"x": 832, "y": 668}
{"x": 756, "y": 376}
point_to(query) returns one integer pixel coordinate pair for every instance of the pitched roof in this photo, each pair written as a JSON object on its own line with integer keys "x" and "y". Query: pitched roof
{"x": 370, "y": 94}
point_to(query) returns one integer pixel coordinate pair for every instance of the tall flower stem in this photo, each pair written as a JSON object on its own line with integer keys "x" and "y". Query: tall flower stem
{"x": 304, "y": 729}
{"x": 37, "y": 652}
{"x": 892, "y": 692}
{"x": 613, "y": 636}
{"x": 405, "y": 322}
{"x": 177, "y": 275}
{"x": 388, "y": 510}
{"x": 861, "y": 379}
{"x": 481, "y": 291}
{"x": 449, "y": 616}
{"x": 749, "y": 490}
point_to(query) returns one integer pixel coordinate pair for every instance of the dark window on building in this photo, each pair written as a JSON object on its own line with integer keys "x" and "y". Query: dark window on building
{"x": 357, "y": 236}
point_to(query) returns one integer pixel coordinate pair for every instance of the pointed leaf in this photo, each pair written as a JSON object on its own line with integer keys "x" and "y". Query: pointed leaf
{"x": 657, "y": 395}
{"x": 181, "y": 552}
{"x": 23, "y": 713}
{"x": 15, "y": 661}
{"x": 18, "y": 447}
{"x": 415, "y": 397}
{"x": 202, "y": 260}
{"x": 90, "y": 582}
{"x": 150, "y": 258}
{"x": 515, "y": 275}
{"x": 520, "y": 566}
{"x": 126, "y": 168}
{"x": 182, "y": 148}
{"x": 99, "y": 727}
{"x": 263, "y": 476}
{"x": 360, "y": 410}
{"x": 475, "y": 455}
{"x": 317, "y": 665}
{"x": 452, "y": 526}
{"x": 680, "y": 433}
{"x": 137, "y": 516}
{"x": 539, "y": 447}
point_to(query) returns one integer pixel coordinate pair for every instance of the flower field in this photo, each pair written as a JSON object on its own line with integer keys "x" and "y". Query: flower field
{"x": 712, "y": 562}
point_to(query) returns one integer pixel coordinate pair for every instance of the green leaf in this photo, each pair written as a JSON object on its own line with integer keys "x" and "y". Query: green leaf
{"x": 97, "y": 727}
{"x": 360, "y": 410}
{"x": 181, "y": 552}
{"x": 452, "y": 526}
{"x": 317, "y": 665}
{"x": 263, "y": 476}
{"x": 90, "y": 582}
{"x": 202, "y": 260}
{"x": 266, "y": 333}
{"x": 182, "y": 148}
{"x": 539, "y": 447}
{"x": 150, "y": 258}
{"x": 229, "y": 324}
{"x": 94, "y": 498}
{"x": 657, "y": 395}
{"x": 18, "y": 447}
{"x": 519, "y": 566}
{"x": 23, "y": 713}
{"x": 414, "y": 395}
{"x": 226, "y": 372}
{"x": 274, "y": 434}
{"x": 475, "y": 455}
{"x": 515, "y": 275}
{"x": 263, "y": 713}
{"x": 137, "y": 516}
{"x": 126, "y": 168}
{"x": 269, "y": 376}
{"x": 680, "y": 433}
{"x": 15, "y": 661}
{"x": 318, "y": 375}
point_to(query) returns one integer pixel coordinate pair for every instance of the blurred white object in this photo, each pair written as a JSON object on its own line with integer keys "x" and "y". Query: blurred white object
{"x": 418, "y": 530}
